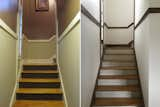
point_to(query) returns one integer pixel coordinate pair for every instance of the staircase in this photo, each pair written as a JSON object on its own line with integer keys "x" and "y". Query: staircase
{"x": 39, "y": 86}
{"x": 118, "y": 82}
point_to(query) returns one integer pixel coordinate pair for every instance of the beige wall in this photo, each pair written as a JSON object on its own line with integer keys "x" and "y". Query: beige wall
{"x": 39, "y": 49}
{"x": 8, "y": 12}
{"x": 69, "y": 63}
{"x": 7, "y": 67}
{"x": 67, "y": 13}
{"x": 38, "y": 25}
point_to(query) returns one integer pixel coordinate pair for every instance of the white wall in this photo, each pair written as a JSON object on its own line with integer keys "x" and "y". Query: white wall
{"x": 118, "y": 14}
{"x": 142, "y": 47}
{"x": 90, "y": 59}
{"x": 8, "y": 61}
{"x": 147, "y": 51}
{"x": 69, "y": 62}
{"x": 90, "y": 52}
{"x": 154, "y": 71}
{"x": 142, "y": 54}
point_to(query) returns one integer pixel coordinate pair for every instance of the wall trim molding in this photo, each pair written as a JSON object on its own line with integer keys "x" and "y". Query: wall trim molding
{"x": 16, "y": 86}
{"x": 7, "y": 29}
{"x": 118, "y": 27}
{"x": 73, "y": 23}
{"x": 62, "y": 86}
{"x": 148, "y": 11}
{"x": 48, "y": 40}
{"x": 89, "y": 16}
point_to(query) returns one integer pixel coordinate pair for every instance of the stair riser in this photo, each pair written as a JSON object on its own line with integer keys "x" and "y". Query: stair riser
{"x": 39, "y": 67}
{"x": 38, "y": 85}
{"x": 22, "y": 96}
{"x": 118, "y": 106}
{"x": 119, "y": 57}
{"x": 39, "y": 75}
{"x": 106, "y": 64}
{"x": 117, "y": 72}
{"x": 119, "y": 51}
{"x": 117, "y": 94}
{"x": 117, "y": 82}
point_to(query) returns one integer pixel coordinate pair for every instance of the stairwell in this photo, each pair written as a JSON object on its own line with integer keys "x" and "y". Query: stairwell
{"x": 118, "y": 83}
{"x": 39, "y": 86}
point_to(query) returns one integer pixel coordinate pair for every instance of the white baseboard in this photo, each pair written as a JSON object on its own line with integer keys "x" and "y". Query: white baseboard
{"x": 62, "y": 85}
{"x": 13, "y": 97}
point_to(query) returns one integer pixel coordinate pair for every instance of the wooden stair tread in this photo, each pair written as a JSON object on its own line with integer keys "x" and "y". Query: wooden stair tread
{"x": 40, "y": 71}
{"x": 119, "y": 68}
{"x": 39, "y": 91}
{"x": 38, "y": 80}
{"x": 118, "y": 102}
{"x": 118, "y": 77}
{"x": 118, "y": 88}
{"x": 29, "y": 103}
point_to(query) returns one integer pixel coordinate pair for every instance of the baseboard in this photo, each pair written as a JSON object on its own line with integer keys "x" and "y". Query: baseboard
{"x": 13, "y": 97}
{"x": 62, "y": 85}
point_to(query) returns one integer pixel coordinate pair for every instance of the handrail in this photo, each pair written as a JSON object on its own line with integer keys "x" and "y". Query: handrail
{"x": 8, "y": 30}
{"x": 73, "y": 23}
{"x": 124, "y": 27}
{"x": 89, "y": 15}
{"x": 148, "y": 11}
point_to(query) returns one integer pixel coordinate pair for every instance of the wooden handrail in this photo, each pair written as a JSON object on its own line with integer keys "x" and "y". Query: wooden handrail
{"x": 125, "y": 27}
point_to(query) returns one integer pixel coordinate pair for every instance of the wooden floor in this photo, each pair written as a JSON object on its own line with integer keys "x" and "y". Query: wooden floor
{"x": 25, "y": 103}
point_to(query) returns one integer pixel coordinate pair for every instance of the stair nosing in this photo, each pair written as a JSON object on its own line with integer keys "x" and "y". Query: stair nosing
{"x": 39, "y": 91}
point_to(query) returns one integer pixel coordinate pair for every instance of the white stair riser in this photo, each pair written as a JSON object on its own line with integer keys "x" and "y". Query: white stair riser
{"x": 119, "y": 51}
{"x": 105, "y": 64}
{"x": 117, "y": 72}
{"x": 117, "y": 106}
{"x": 117, "y": 94}
{"x": 117, "y": 82}
{"x": 119, "y": 57}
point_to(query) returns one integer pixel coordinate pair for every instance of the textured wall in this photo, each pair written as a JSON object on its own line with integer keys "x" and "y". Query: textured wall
{"x": 38, "y": 25}
{"x": 67, "y": 13}
{"x": 8, "y": 12}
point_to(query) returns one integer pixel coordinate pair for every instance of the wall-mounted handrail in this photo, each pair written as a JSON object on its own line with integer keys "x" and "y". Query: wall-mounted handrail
{"x": 8, "y": 30}
{"x": 122, "y": 27}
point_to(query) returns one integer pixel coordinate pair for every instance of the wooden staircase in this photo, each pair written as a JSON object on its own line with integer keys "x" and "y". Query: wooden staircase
{"x": 118, "y": 82}
{"x": 39, "y": 86}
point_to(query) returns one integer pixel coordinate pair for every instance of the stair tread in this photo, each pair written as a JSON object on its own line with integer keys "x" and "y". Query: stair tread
{"x": 118, "y": 88}
{"x": 31, "y": 103}
{"x": 39, "y": 91}
{"x": 40, "y": 71}
{"x": 119, "y": 68}
{"x": 38, "y": 80}
{"x": 118, "y": 77}
{"x": 118, "y": 102}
